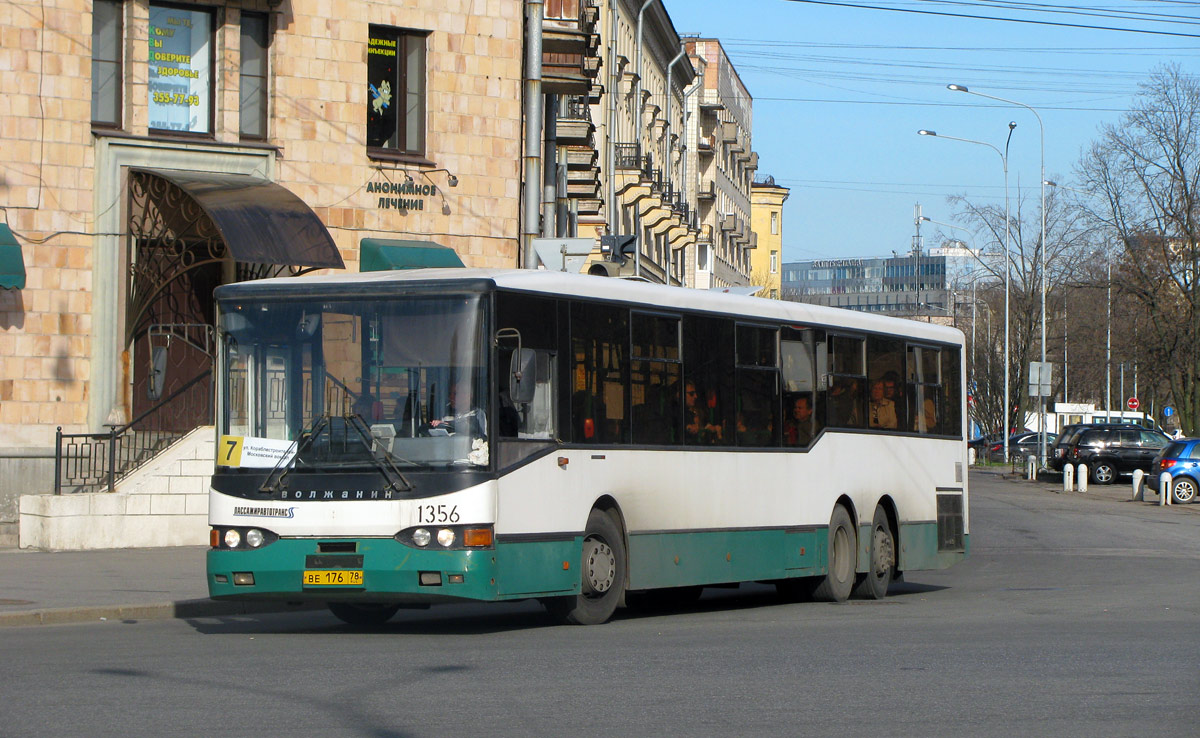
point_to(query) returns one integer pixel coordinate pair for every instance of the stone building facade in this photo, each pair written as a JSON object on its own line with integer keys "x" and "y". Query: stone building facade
{"x": 723, "y": 115}
{"x": 766, "y": 215}
{"x": 151, "y": 151}
{"x": 130, "y": 127}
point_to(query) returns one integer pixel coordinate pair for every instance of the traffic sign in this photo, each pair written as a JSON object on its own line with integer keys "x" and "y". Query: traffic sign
{"x": 1133, "y": 403}
{"x": 1168, "y": 411}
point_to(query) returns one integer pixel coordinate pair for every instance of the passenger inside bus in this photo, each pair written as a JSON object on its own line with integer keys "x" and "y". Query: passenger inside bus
{"x": 798, "y": 426}
{"x": 881, "y": 412}
{"x": 701, "y": 426}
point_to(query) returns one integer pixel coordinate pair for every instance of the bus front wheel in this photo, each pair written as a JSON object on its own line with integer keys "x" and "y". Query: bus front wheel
{"x": 835, "y": 586}
{"x": 602, "y": 574}
{"x": 874, "y": 583}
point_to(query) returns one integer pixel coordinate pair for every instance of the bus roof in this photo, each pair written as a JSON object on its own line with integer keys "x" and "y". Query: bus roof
{"x": 607, "y": 288}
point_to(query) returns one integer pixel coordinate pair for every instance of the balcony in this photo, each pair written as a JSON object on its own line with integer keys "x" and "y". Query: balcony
{"x": 570, "y": 46}
{"x": 729, "y": 222}
{"x": 707, "y": 190}
{"x": 728, "y": 132}
{"x": 752, "y": 164}
{"x": 575, "y": 122}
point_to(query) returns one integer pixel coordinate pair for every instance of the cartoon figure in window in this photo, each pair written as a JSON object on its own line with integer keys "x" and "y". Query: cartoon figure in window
{"x": 381, "y": 96}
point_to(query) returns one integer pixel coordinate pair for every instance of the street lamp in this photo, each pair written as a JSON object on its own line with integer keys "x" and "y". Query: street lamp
{"x": 1042, "y": 132}
{"x": 1007, "y": 260}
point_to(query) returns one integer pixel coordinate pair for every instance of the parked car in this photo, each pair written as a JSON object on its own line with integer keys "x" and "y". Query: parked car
{"x": 983, "y": 444}
{"x": 1109, "y": 451}
{"x": 1182, "y": 459}
{"x": 1070, "y": 433}
{"x": 1020, "y": 445}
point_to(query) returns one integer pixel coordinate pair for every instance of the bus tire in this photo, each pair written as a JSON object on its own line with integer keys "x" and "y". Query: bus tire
{"x": 873, "y": 584}
{"x": 365, "y": 614}
{"x": 838, "y": 581}
{"x": 602, "y": 574}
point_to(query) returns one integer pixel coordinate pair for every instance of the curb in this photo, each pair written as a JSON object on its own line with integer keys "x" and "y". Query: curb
{"x": 181, "y": 609}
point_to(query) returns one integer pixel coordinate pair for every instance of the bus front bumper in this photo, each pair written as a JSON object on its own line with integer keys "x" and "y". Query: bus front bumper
{"x": 363, "y": 570}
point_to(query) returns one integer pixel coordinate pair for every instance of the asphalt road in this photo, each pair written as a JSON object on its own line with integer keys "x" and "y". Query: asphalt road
{"x": 1073, "y": 616}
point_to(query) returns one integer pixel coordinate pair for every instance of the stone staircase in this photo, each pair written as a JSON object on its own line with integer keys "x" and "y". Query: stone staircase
{"x": 162, "y": 503}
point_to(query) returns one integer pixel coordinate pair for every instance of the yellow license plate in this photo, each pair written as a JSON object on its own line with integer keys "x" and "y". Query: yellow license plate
{"x": 333, "y": 577}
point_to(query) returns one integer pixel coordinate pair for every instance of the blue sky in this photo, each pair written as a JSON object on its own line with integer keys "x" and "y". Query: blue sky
{"x": 840, "y": 92}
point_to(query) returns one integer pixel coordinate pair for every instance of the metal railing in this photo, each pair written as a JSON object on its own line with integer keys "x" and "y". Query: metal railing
{"x": 89, "y": 462}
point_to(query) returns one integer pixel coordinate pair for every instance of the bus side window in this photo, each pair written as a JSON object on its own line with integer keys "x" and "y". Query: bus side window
{"x": 536, "y": 320}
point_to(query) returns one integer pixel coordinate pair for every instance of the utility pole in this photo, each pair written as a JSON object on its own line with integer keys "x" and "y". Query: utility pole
{"x": 916, "y": 251}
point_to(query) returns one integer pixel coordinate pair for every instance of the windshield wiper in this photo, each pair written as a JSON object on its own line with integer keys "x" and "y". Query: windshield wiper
{"x": 274, "y": 480}
{"x": 382, "y": 461}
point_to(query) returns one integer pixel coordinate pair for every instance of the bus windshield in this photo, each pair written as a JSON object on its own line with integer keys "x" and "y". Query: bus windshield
{"x": 343, "y": 384}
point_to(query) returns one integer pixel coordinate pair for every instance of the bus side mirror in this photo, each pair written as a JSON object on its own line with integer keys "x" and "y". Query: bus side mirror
{"x": 523, "y": 378}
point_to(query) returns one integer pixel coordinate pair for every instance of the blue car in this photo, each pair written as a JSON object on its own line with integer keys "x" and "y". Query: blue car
{"x": 1182, "y": 459}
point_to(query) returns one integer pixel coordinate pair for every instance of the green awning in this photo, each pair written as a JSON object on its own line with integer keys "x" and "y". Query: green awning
{"x": 382, "y": 254}
{"x": 12, "y": 264}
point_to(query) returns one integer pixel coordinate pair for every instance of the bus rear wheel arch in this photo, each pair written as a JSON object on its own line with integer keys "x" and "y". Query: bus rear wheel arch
{"x": 603, "y": 567}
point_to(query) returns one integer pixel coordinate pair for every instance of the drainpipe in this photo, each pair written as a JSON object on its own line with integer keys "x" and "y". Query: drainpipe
{"x": 613, "y": 93}
{"x": 637, "y": 127}
{"x": 550, "y": 167}
{"x": 687, "y": 96}
{"x": 533, "y": 130}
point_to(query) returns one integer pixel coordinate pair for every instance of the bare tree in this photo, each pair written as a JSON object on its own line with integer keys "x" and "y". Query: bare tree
{"x": 1144, "y": 176}
{"x": 1067, "y": 247}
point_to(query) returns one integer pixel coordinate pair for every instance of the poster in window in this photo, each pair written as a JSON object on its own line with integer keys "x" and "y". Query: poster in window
{"x": 180, "y": 70}
{"x": 382, "y": 92}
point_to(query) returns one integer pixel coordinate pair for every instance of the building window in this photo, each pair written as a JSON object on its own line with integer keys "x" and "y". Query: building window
{"x": 774, "y": 262}
{"x": 396, "y": 90}
{"x": 252, "y": 81}
{"x": 774, "y": 222}
{"x": 180, "y": 89}
{"x": 106, "y": 63}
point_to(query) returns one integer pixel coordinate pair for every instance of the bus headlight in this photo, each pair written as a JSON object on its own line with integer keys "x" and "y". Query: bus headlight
{"x": 446, "y": 537}
{"x": 254, "y": 538}
{"x": 233, "y": 538}
{"x": 421, "y": 537}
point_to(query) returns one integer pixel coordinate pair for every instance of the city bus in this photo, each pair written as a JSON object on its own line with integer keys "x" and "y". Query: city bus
{"x": 400, "y": 439}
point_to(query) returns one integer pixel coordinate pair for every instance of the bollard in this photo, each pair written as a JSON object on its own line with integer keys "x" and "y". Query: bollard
{"x": 1139, "y": 485}
{"x": 1031, "y": 468}
{"x": 971, "y": 456}
{"x": 1164, "y": 489}
{"x": 1068, "y": 478}
{"x": 1081, "y": 476}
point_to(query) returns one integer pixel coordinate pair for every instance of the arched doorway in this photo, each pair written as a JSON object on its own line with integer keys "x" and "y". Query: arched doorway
{"x": 188, "y": 233}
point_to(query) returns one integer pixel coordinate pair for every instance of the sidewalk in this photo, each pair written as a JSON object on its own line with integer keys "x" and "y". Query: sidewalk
{"x": 49, "y": 587}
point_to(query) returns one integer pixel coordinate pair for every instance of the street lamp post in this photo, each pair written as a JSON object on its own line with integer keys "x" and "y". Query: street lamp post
{"x": 1007, "y": 260}
{"x": 1042, "y": 133}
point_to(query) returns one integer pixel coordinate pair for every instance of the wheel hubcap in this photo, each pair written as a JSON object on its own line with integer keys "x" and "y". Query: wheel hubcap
{"x": 1103, "y": 473}
{"x": 841, "y": 554}
{"x": 599, "y": 565}
{"x": 1184, "y": 491}
{"x": 883, "y": 555}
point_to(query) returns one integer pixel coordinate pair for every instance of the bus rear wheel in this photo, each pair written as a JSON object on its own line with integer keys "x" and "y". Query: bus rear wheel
{"x": 838, "y": 581}
{"x": 362, "y": 614}
{"x": 603, "y": 568}
{"x": 874, "y": 583}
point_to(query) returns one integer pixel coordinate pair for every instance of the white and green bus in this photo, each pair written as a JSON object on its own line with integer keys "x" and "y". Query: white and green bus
{"x": 396, "y": 439}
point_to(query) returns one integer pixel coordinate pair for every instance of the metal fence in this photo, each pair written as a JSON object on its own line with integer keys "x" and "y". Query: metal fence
{"x": 91, "y": 462}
